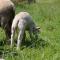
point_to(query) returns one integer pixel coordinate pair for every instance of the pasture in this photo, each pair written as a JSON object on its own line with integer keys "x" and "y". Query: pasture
{"x": 46, "y": 15}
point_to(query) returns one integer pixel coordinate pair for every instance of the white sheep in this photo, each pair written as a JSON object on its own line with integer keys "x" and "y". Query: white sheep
{"x": 24, "y": 22}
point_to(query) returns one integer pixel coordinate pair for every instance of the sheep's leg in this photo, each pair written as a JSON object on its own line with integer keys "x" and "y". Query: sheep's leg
{"x": 21, "y": 26}
{"x": 12, "y": 36}
{"x": 31, "y": 34}
{"x": 36, "y": 36}
{"x": 20, "y": 37}
{"x": 8, "y": 32}
{"x": 23, "y": 39}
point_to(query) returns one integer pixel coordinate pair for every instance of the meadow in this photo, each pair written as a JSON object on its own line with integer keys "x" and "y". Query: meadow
{"x": 46, "y": 15}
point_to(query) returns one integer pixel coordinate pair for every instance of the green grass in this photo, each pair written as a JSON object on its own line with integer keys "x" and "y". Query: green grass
{"x": 47, "y": 17}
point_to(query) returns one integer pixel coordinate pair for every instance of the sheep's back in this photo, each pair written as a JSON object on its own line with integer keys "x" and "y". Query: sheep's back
{"x": 5, "y": 5}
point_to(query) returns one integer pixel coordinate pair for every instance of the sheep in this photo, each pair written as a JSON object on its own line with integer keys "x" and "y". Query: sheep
{"x": 24, "y": 22}
{"x": 7, "y": 13}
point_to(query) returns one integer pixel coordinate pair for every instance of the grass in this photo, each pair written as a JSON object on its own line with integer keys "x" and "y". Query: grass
{"x": 47, "y": 47}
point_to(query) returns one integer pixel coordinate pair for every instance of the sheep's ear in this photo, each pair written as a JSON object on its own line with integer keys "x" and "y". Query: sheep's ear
{"x": 38, "y": 28}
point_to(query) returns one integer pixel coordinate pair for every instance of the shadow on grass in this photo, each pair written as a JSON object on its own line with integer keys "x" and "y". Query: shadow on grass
{"x": 40, "y": 43}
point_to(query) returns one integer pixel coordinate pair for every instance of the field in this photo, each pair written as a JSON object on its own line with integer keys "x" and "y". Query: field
{"x": 46, "y": 15}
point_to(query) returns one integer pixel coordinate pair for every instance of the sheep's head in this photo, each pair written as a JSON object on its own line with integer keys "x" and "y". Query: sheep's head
{"x": 36, "y": 31}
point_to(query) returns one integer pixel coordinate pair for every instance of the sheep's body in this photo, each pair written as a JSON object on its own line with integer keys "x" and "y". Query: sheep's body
{"x": 24, "y": 22}
{"x": 7, "y": 13}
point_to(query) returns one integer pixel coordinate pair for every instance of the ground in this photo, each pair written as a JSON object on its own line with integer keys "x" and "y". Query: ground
{"x": 46, "y": 15}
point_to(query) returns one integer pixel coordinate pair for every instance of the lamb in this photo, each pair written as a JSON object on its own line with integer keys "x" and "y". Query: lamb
{"x": 7, "y": 13}
{"x": 24, "y": 22}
